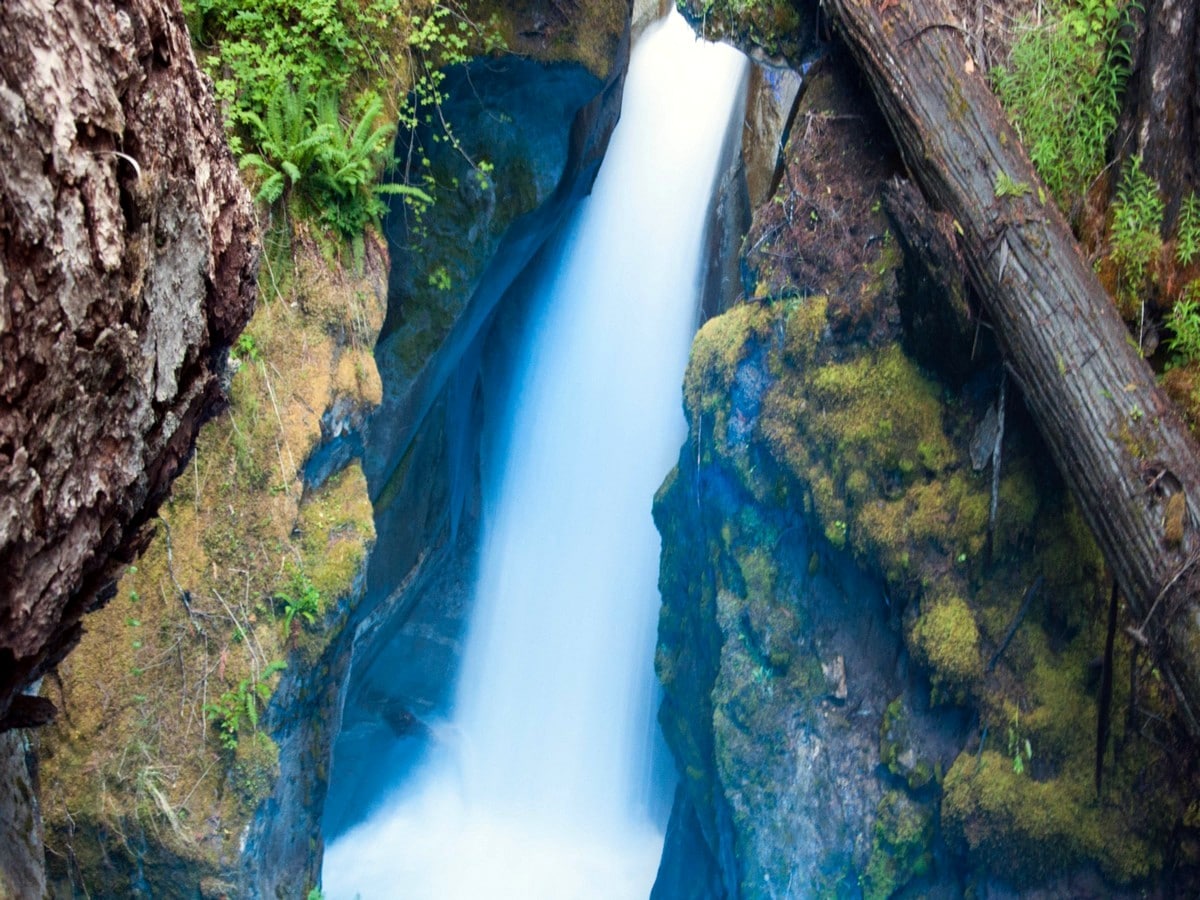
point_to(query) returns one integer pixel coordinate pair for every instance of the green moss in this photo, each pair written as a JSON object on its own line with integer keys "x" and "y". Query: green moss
{"x": 900, "y": 846}
{"x": 875, "y": 453}
{"x": 255, "y": 768}
{"x": 881, "y": 414}
{"x": 946, "y": 639}
{"x": 758, "y": 573}
{"x": 717, "y": 350}
{"x": 1027, "y": 830}
{"x": 336, "y": 527}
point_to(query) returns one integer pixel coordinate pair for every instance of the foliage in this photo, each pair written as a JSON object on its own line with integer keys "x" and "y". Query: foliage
{"x": 1184, "y": 321}
{"x": 1019, "y": 748}
{"x": 289, "y": 145}
{"x": 246, "y": 347}
{"x": 1137, "y": 221}
{"x": 1006, "y": 187}
{"x": 1188, "y": 230}
{"x": 241, "y": 704}
{"x": 301, "y": 599}
{"x": 257, "y": 47}
{"x": 301, "y": 85}
{"x": 347, "y": 193}
{"x": 306, "y": 157}
{"x": 1062, "y": 89}
{"x": 440, "y": 39}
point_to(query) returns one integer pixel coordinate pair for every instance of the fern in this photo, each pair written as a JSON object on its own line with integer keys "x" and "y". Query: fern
{"x": 229, "y": 710}
{"x": 290, "y": 146}
{"x": 347, "y": 191}
{"x": 306, "y": 155}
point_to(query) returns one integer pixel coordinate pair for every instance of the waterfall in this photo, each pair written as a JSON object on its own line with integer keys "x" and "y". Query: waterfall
{"x": 540, "y": 784}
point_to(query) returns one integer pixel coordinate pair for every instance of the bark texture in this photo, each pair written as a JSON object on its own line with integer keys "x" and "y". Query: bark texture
{"x": 127, "y": 266}
{"x": 1161, "y": 115}
{"x": 1121, "y": 446}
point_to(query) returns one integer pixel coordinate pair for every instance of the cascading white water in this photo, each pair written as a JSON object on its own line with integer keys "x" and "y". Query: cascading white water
{"x": 539, "y": 787}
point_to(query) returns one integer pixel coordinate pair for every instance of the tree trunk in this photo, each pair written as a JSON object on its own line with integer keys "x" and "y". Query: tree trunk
{"x": 1161, "y": 114}
{"x": 127, "y": 268}
{"x": 1119, "y": 443}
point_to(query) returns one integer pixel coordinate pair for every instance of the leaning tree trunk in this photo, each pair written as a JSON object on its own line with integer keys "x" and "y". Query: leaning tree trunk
{"x": 1160, "y": 121}
{"x": 127, "y": 268}
{"x": 1119, "y": 443}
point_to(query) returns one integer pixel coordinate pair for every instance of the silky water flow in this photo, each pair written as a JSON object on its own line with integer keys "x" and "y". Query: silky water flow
{"x": 540, "y": 784}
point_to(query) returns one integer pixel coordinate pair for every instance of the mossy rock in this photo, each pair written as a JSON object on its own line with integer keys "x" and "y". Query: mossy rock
{"x": 946, "y": 638}
{"x": 896, "y": 750}
{"x": 900, "y": 846}
{"x": 1028, "y": 830}
{"x": 778, "y": 27}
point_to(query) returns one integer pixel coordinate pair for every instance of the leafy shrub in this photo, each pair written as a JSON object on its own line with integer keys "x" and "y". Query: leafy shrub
{"x": 1062, "y": 89}
{"x": 301, "y": 85}
{"x": 1184, "y": 322}
{"x": 347, "y": 193}
{"x": 308, "y": 161}
{"x": 259, "y": 46}
{"x": 1136, "y": 228}
{"x": 1187, "y": 231}
{"x": 289, "y": 143}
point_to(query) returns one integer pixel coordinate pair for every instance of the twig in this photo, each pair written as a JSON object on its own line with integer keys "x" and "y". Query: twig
{"x": 183, "y": 595}
{"x": 1030, "y": 593}
{"x": 920, "y": 31}
{"x": 203, "y": 775}
{"x": 287, "y": 479}
{"x": 236, "y": 624}
{"x": 1139, "y": 634}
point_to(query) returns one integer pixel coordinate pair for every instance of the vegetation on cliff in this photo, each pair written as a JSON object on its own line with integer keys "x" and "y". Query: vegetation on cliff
{"x": 165, "y": 749}
{"x": 808, "y": 396}
{"x": 168, "y": 743}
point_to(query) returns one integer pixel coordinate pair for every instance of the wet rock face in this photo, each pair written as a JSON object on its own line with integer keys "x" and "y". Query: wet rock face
{"x": 779, "y": 661}
{"x": 21, "y": 873}
{"x": 127, "y": 264}
{"x": 913, "y": 731}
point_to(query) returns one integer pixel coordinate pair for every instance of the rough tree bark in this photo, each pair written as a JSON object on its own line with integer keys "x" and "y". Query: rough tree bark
{"x": 1160, "y": 120}
{"x": 1118, "y": 441}
{"x": 127, "y": 266}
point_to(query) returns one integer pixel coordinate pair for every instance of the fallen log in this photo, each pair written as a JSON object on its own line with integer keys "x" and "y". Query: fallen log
{"x": 1119, "y": 443}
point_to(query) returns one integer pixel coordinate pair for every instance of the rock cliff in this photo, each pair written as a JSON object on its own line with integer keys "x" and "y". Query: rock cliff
{"x": 871, "y": 687}
{"x": 261, "y": 557}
